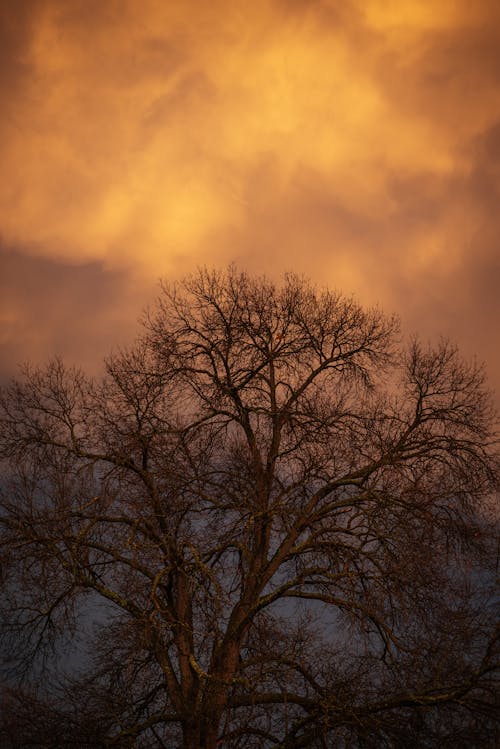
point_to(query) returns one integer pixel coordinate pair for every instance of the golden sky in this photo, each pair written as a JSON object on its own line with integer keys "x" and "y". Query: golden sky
{"x": 356, "y": 142}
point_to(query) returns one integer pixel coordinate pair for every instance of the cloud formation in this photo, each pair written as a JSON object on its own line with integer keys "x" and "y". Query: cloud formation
{"x": 357, "y": 142}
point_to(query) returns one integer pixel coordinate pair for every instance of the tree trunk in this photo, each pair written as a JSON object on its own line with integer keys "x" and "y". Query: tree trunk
{"x": 201, "y": 733}
{"x": 191, "y": 735}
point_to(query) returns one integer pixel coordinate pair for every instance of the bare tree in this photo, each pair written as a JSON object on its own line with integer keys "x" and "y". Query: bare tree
{"x": 289, "y": 515}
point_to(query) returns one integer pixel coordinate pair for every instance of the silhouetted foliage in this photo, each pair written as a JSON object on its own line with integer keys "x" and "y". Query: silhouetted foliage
{"x": 289, "y": 514}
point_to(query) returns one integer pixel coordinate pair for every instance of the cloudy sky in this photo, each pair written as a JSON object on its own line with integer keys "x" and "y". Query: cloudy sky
{"x": 357, "y": 142}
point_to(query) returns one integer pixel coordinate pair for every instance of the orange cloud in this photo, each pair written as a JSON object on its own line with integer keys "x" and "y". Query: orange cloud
{"x": 346, "y": 140}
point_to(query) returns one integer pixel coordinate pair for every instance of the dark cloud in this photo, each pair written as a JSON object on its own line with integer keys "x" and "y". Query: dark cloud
{"x": 18, "y": 20}
{"x": 50, "y": 308}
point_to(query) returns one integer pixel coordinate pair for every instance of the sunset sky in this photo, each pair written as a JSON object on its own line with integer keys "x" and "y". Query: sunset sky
{"x": 355, "y": 142}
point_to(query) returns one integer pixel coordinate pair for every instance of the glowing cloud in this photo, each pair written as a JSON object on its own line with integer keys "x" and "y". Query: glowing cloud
{"x": 346, "y": 140}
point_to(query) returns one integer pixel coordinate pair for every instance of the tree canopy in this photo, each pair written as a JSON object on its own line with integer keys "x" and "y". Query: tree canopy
{"x": 290, "y": 514}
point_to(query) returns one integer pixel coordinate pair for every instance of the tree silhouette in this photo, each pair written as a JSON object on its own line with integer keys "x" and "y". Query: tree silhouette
{"x": 288, "y": 513}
